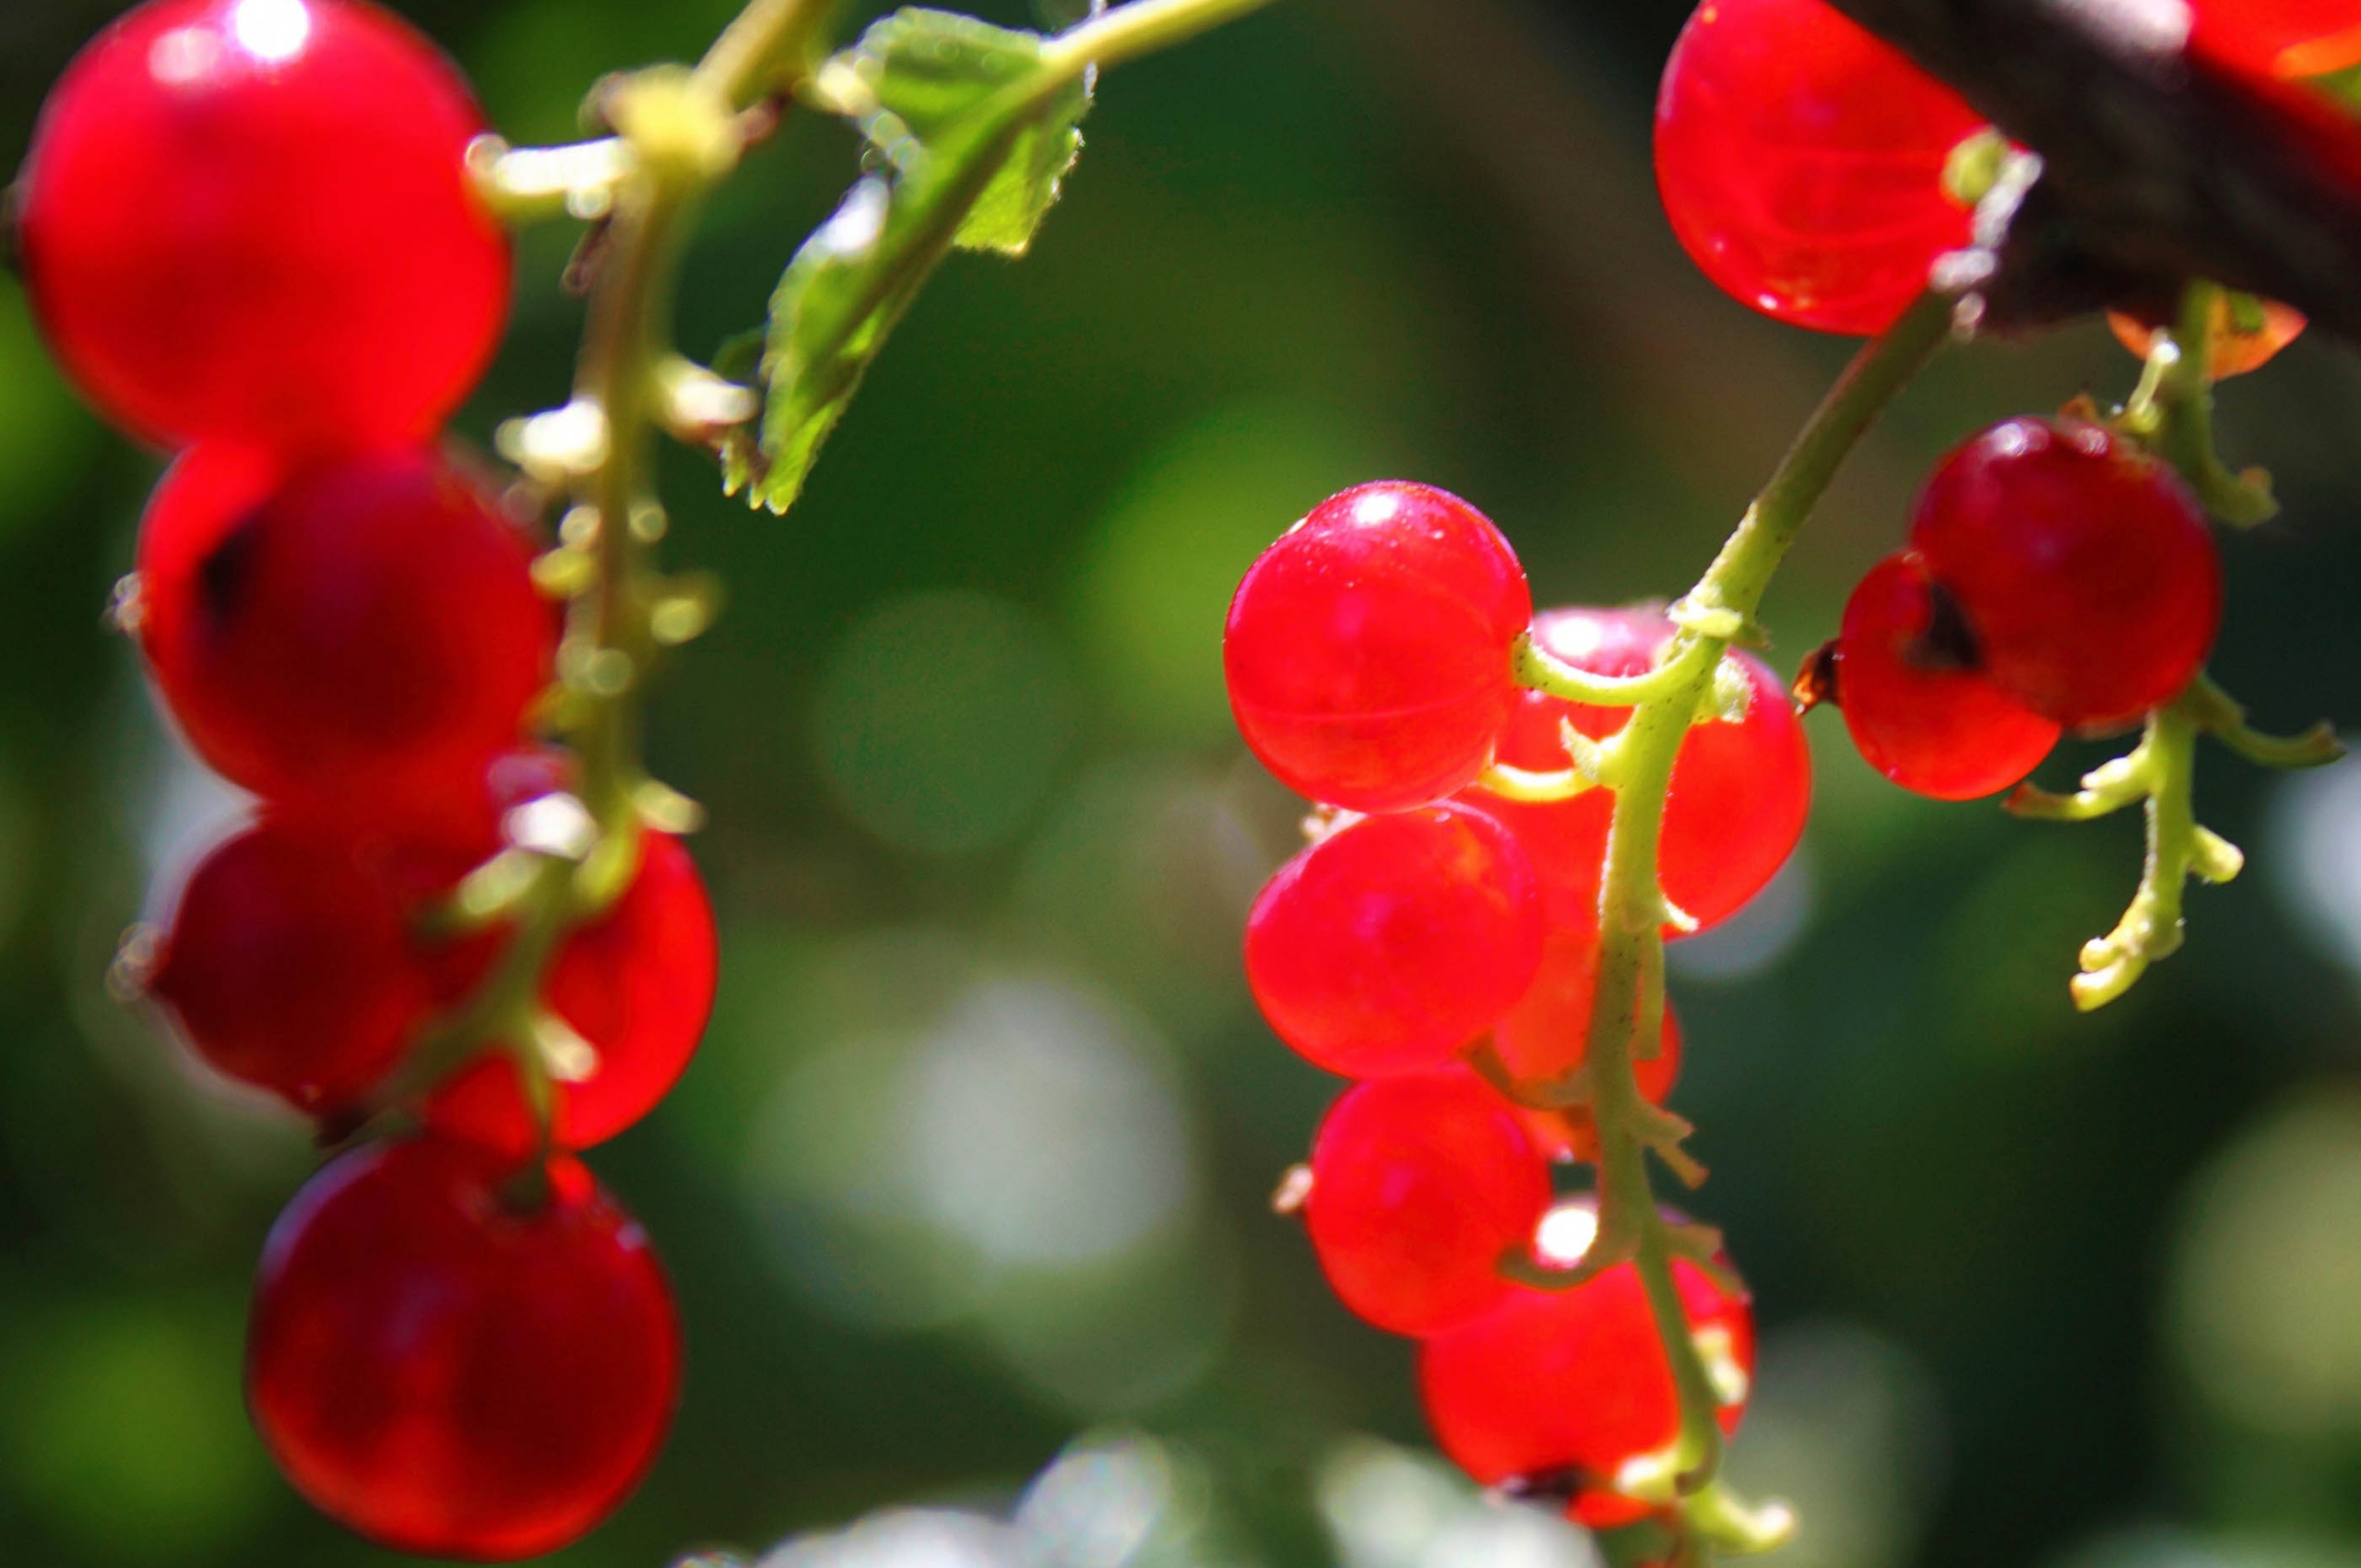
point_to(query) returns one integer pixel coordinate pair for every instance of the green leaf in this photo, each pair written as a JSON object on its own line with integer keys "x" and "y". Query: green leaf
{"x": 974, "y": 129}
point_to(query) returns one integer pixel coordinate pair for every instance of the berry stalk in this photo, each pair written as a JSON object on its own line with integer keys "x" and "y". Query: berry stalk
{"x": 1634, "y": 909}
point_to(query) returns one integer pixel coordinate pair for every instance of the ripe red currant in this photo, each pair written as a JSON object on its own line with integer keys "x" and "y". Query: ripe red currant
{"x": 636, "y": 985}
{"x": 1395, "y": 940}
{"x": 2280, "y": 38}
{"x": 1368, "y": 650}
{"x": 1800, "y": 159}
{"x": 1569, "y": 1386}
{"x": 1546, "y": 1036}
{"x": 288, "y": 965}
{"x": 1420, "y": 1185}
{"x": 1918, "y": 712}
{"x": 2081, "y": 564}
{"x": 1739, "y": 790}
{"x": 355, "y": 638}
{"x": 454, "y": 1368}
{"x": 251, "y": 219}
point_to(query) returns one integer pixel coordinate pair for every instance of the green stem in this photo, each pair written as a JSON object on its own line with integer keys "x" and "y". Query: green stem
{"x": 1632, "y": 909}
{"x": 2183, "y": 401}
{"x": 1126, "y": 33}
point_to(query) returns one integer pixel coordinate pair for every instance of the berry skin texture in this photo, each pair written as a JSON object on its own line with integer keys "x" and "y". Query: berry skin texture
{"x": 2279, "y": 37}
{"x": 251, "y": 219}
{"x": 356, "y": 639}
{"x": 2082, "y": 566}
{"x": 289, "y": 966}
{"x": 1946, "y": 732}
{"x": 636, "y": 984}
{"x": 449, "y": 1373}
{"x": 1547, "y": 1033}
{"x": 1740, "y": 791}
{"x": 1573, "y": 1384}
{"x": 1395, "y": 940}
{"x": 1368, "y": 650}
{"x": 1419, "y": 1186}
{"x": 1800, "y": 160}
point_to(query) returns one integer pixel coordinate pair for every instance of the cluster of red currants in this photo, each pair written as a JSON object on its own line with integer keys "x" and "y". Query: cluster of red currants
{"x": 1369, "y": 657}
{"x": 249, "y": 233}
{"x": 2057, "y": 577}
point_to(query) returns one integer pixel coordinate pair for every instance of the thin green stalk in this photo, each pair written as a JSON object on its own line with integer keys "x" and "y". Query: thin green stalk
{"x": 1126, "y": 33}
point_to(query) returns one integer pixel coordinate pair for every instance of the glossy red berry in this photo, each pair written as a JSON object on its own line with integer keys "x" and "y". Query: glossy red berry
{"x": 288, "y": 965}
{"x": 1420, "y": 1185}
{"x": 1569, "y": 1386}
{"x": 1740, "y": 791}
{"x": 356, "y": 639}
{"x": 1368, "y": 650}
{"x": 452, "y": 1369}
{"x": 1395, "y": 940}
{"x": 1917, "y": 710}
{"x": 636, "y": 985}
{"x": 2280, "y": 38}
{"x": 2081, "y": 564}
{"x": 1800, "y": 159}
{"x": 1546, "y": 1038}
{"x": 251, "y": 219}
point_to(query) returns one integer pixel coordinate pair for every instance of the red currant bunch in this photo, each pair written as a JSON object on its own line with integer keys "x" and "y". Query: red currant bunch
{"x": 249, "y": 231}
{"x": 2056, "y": 577}
{"x": 1801, "y": 162}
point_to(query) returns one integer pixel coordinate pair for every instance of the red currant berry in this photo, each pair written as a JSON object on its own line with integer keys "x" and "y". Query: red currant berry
{"x": 636, "y": 985}
{"x": 2280, "y": 38}
{"x": 2081, "y": 564}
{"x": 1917, "y": 713}
{"x": 1420, "y": 1185}
{"x": 1369, "y": 649}
{"x": 289, "y": 966}
{"x": 1739, "y": 790}
{"x": 454, "y": 1371}
{"x": 1395, "y": 940}
{"x": 1546, "y": 1036}
{"x": 253, "y": 219}
{"x": 1570, "y": 1386}
{"x": 1800, "y": 159}
{"x": 357, "y": 639}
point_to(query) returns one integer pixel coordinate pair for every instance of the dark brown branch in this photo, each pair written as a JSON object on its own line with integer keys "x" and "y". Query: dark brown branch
{"x": 2159, "y": 166}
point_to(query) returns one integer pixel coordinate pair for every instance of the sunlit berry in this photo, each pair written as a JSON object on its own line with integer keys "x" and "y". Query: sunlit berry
{"x": 251, "y": 219}
{"x": 636, "y": 986}
{"x": 1420, "y": 1185}
{"x": 289, "y": 965}
{"x": 2280, "y": 38}
{"x": 1395, "y": 940}
{"x": 453, "y": 1364}
{"x": 356, "y": 639}
{"x": 1919, "y": 710}
{"x": 1545, "y": 1039}
{"x": 2081, "y": 564}
{"x": 1368, "y": 650}
{"x": 1739, "y": 790}
{"x": 1800, "y": 159}
{"x": 1566, "y": 1387}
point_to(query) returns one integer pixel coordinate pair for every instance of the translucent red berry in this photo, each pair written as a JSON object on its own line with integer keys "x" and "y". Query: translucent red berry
{"x": 1395, "y": 940}
{"x": 1420, "y": 1185}
{"x": 251, "y": 219}
{"x": 1566, "y": 1387}
{"x": 1919, "y": 709}
{"x": 1546, "y": 1038}
{"x": 636, "y": 986}
{"x": 357, "y": 638}
{"x": 456, "y": 1366}
{"x": 1368, "y": 650}
{"x": 2280, "y": 38}
{"x": 1739, "y": 790}
{"x": 2081, "y": 564}
{"x": 1800, "y": 159}
{"x": 288, "y": 965}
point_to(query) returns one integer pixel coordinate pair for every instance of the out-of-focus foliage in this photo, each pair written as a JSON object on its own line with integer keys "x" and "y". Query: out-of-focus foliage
{"x": 976, "y": 1157}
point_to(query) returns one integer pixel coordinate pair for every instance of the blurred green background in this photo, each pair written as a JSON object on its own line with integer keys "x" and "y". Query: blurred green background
{"x": 977, "y": 1155}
